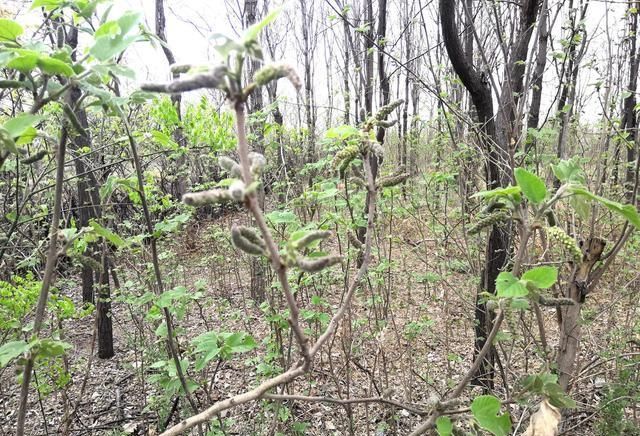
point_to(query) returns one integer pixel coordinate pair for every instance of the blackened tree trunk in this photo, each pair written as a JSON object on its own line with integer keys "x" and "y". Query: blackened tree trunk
{"x": 87, "y": 185}
{"x": 497, "y": 245}
{"x": 629, "y": 116}
{"x": 103, "y": 309}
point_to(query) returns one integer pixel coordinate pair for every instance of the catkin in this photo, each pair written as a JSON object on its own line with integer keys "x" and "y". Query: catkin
{"x": 213, "y": 196}
{"x": 315, "y": 265}
{"x": 311, "y": 237}
{"x": 567, "y": 242}
{"x": 488, "y": 220}
{"x": 243, "y": 243}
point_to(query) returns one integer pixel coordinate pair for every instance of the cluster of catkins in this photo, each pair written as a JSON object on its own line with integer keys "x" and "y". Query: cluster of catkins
{"x": 248, "y": 240}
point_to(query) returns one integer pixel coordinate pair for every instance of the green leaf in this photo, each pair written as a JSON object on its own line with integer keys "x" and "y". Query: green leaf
{"x": 543, "y": 277}
{"x": 52, "y": 348}
{"x": 626, "y": 211}
{"x": 19, "y": 124}
{"x": 9, "y": 30}
{"x": 532, "y": 186}
{"x": 282, "y": 217}
{"x": 508, "y": 286}
{"x": 557, "y": 397}
{"x": 486, "y": 410}
{"x": 112, "y": 38}
{"x": 240, "y": 342}
{"x": 48, "y": 5}
{"x": 11, "y": 350}
{"x": 24, "y": 60}
{"x": 107, "y": 234}
{"x": 167, "y": 297}
{"x": 251, "y": 34}
{"x": 444, "y": 427}
{"x": 55, "y": 66}
{"x": 568, "y": 171}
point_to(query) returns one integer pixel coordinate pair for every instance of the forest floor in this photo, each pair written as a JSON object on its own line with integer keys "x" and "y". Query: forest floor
{"x": 410, "y": 340}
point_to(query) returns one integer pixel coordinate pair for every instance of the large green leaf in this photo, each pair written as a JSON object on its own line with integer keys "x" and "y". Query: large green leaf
{"x": 9, "y": 30}
{"x": 543, "y": 277}
{"x": 113, "y": 37}
{"x": 568, "y": 171}
{"x": 508, "y": 286}
{"x": 21, "y": 124}
{"x": 53, "y": 66}
{"x": 107, "y": 234}
{"x": 251, "y": 34}
{"x": 486, "y": 410}
{"x": 626, "y": 211}
{"x": 24, "y": 60}
{"x": 11, "y": 350}
{"x": 532, "y": 186}
{"x": 444, "y": 427}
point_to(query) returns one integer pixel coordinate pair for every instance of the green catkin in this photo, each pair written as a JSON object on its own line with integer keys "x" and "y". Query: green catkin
{"x": 34, "y": 157}
{"x": 567, "y": 242}
{"x": 488, "y": 220}
{"x": 88, "y": 262}
{"x": 387, "y": 124}
{"x": 344, "y": 157}
{"x": 387, "y": 109}
{"x": 387, "y": 182}
{"x": 213, "y": 196}
{"x": 315, "y": 265}
{"x": 310, "y": 238}
{"x": 242, "y": 243}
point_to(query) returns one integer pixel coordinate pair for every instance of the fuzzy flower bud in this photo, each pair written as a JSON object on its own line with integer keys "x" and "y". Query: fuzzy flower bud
{"x": 241, "y": 242}
{"x": 230, "y": 166}
{"x": 258, "y": 162}
{"x": 315, "y": 265}
{"x": 213, "y": 196}
{"x": 311, "y": 237}
{"x": 252, "y": 236}
{"x": 236, "y": 190}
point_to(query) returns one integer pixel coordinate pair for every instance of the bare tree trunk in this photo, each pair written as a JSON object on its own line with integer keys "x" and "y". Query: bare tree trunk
{"x": 306, "y": 11}
{"x": 570, "y": 327}
{"x": 180, "y": 184}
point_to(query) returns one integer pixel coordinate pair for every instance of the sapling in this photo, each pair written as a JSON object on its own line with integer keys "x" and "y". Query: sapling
{"x": 227, "y": 78}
